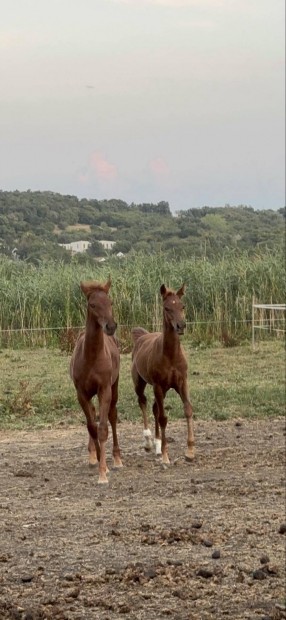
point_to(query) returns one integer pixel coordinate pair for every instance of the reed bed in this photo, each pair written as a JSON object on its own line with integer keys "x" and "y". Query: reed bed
{"x": 38, "y": 303}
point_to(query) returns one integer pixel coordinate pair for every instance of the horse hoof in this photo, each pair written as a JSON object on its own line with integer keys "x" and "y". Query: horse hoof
{"x": 102, "y": 481}
{"x": 93, "y": 465}
{"x": 117, "y": 465}
{"x": 165, "y": 460}
{"x": 189, "y": 458}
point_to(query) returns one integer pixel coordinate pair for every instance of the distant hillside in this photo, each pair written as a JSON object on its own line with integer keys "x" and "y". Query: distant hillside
{"x": 34, "y": 223}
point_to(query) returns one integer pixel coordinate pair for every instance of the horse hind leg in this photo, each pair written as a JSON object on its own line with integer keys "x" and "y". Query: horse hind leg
{"x": 139, "y": 385}
{"x": 162, "y": 420}
{"x": 188, "y": 411}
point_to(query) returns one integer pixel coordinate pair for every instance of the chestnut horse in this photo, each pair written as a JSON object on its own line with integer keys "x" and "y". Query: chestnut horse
{"x": 94, "y": 370}
{"x": 159, "y": 360}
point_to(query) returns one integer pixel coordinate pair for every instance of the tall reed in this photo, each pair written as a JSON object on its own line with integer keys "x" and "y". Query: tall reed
{"x": 218, "y": 294}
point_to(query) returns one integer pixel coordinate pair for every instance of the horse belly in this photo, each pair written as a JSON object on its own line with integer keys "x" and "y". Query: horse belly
{"x": 142, "y": 356}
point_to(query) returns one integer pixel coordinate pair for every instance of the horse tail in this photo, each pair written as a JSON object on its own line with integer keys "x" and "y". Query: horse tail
{"x": 137, "y": 332}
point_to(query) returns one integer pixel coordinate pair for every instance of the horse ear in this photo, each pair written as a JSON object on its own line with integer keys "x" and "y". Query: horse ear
{"x": 163, "y": 290}
{"x": 181, "y": 291}
{"x": 107, "y": 285}
{"x": 85, "y": 287}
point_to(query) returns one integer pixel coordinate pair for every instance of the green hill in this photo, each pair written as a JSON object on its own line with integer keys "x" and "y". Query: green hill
{"x": 34, "y": 223}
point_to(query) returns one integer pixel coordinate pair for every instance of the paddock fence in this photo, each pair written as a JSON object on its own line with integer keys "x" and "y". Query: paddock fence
{"x": 268, "y": 318}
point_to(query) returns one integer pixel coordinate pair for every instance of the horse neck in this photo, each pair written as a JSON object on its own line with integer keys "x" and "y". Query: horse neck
{"x": 171, "y": 341}
{"x": 94, "y": 338}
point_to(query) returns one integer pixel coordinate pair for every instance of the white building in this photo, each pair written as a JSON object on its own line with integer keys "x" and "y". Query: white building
{"x": 81, "y": 246}
{"x": 108, "y": 245}
{"x": 76, "y": 246}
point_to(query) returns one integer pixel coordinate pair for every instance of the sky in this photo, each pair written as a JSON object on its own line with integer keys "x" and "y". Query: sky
{"x": 144, "y": 100}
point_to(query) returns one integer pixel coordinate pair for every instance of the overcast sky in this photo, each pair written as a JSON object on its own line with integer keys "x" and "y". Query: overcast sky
{"x": 144, "y": 100}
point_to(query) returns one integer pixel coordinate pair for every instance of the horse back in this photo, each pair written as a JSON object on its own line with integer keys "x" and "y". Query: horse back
{"x": 154, "y": 364}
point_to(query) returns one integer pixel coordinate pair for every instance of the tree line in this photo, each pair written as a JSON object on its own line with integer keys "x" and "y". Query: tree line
{"x": 33, "y": 224}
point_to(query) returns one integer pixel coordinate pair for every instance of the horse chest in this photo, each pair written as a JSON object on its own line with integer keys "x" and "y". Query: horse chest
{"x": 168, "y": 378}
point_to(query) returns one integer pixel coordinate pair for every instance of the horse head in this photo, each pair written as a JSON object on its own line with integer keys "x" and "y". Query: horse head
{"x": 99, "y": 305}
{"x": 173, "y": 308}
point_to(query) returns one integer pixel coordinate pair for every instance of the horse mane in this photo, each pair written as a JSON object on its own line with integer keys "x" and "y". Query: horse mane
{"x": 90, "y": 286}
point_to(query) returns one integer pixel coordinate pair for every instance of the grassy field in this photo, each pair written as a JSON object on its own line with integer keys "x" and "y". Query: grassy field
{"x": 36, "y": 391}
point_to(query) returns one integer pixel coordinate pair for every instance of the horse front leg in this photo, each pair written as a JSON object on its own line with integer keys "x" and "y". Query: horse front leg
{"x": 93, "y": 445}
{"x": 162, "y": 419}
{"x": 113, "y": 421}
{"x": 104, "y": 398}
{"x": 188, "y": 411}
{"x": 157, "y": 440}
{"x": 90, "y": 414}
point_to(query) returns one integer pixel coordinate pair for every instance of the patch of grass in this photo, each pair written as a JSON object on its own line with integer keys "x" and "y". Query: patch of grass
{"x": 36, "y": 390}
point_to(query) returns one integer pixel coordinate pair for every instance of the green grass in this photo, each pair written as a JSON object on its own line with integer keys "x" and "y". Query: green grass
{"x": 36, "y": 391}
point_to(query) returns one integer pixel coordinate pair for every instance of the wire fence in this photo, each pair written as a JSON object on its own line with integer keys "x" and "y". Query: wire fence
{"x": 65, "y": 337}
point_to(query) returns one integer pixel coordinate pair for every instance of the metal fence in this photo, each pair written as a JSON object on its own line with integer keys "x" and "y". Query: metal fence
{"x": 268, "y": 317}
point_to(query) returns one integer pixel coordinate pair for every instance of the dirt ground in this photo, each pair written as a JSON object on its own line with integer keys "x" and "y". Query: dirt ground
{"x": 142, "y": 548}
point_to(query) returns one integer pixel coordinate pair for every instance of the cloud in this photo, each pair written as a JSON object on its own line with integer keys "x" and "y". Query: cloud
{"x": 98, "y": 167}
{"x": 159, "y": 168}
{"x": 103, "y": 169}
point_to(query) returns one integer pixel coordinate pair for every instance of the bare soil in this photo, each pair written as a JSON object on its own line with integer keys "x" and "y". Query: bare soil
{"x": 142, "y": 547}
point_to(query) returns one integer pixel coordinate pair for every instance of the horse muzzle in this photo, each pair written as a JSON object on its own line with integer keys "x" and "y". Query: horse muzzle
{"x": 110, "y": 328}
{"x": 180, "y": 328}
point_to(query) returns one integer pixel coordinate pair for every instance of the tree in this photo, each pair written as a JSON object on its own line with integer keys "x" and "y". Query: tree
{"x": 96, "y": 249}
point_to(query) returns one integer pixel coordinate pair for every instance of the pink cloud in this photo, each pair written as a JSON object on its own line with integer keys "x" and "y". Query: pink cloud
{"x": 99, "y": 167}
{"x": 159, "y": 167}
{"x": 103, "y": 169}
{"x": 83, "y": 177}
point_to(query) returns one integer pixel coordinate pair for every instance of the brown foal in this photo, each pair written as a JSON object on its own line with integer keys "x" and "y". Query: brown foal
{"x": 159, "y": 360}
{"x": 94, "y": 370}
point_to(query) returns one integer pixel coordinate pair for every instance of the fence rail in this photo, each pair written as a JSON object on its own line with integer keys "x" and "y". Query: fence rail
{"x": 267, "y": 322}
{"x": 268, "y": 319}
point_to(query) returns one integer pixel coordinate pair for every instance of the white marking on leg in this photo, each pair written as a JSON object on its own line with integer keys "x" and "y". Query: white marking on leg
{"x": 147, "y": 438}
{"x": 147, "y": 432}
{"x": 158, "y": 446}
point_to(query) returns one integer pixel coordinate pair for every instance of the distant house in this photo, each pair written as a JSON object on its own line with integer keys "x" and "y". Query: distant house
{"x": 81, "y": 246}
{"x": 76, "y": 246}
{"x": 108, "y": 245}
